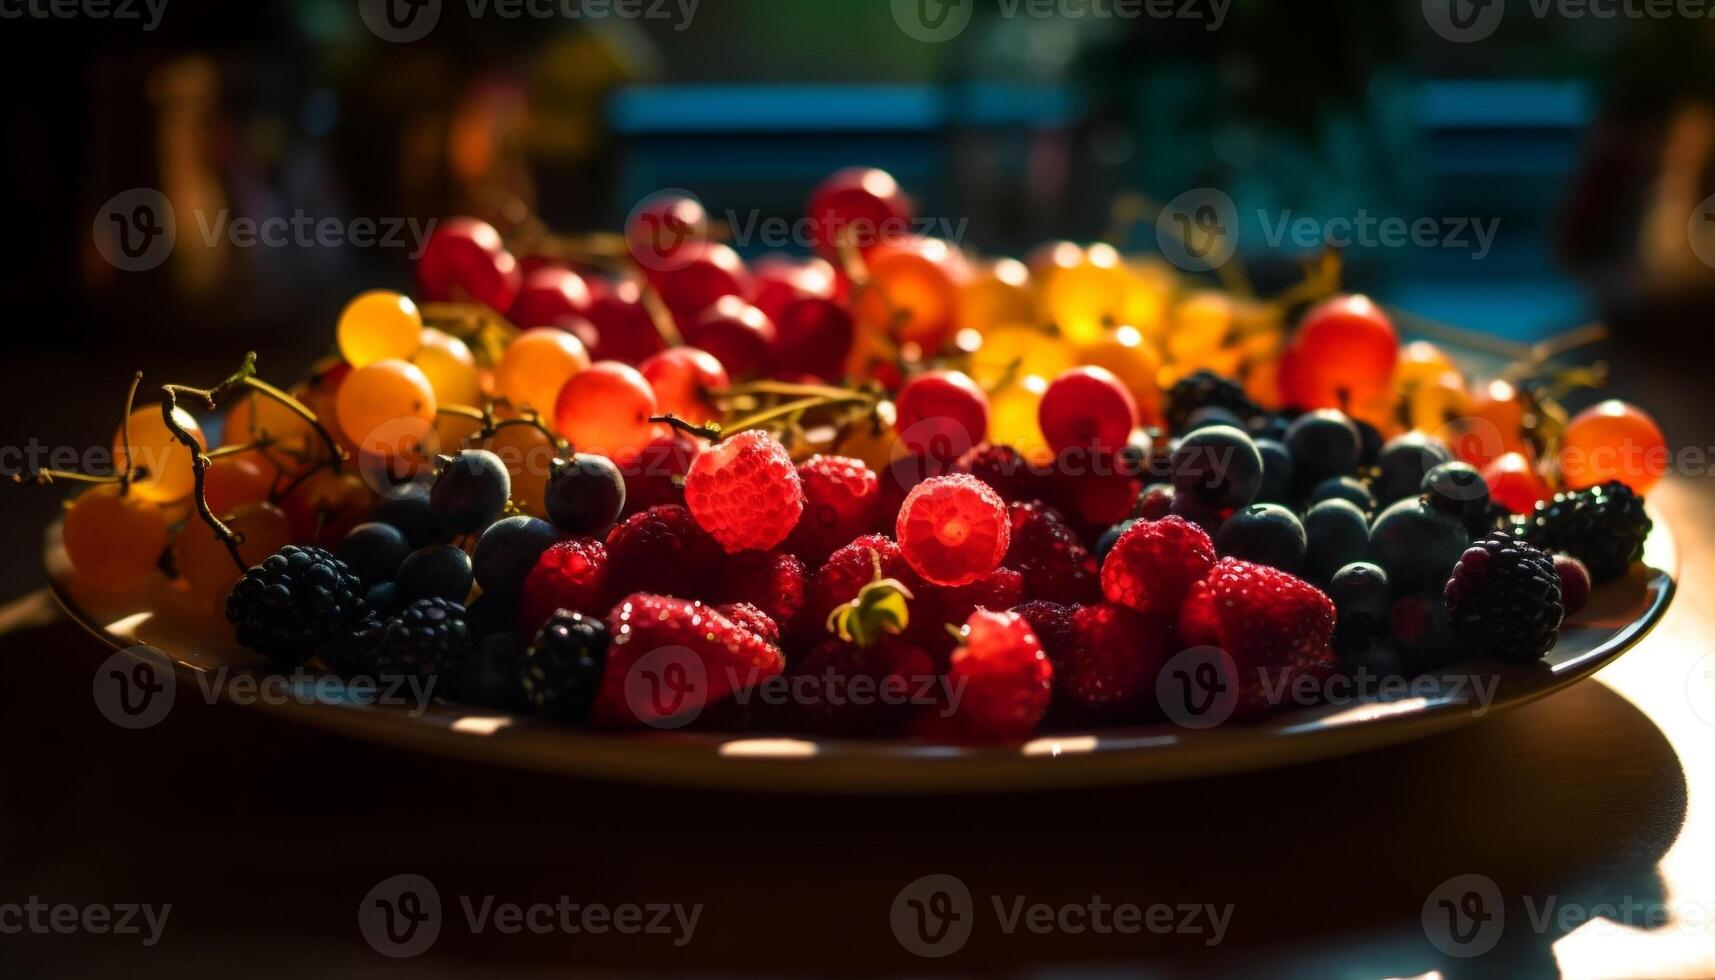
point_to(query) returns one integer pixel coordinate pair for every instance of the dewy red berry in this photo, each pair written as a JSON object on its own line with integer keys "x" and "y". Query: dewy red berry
{"x": 852, "y": 567}
{"x": 686, "y": 656}
{"x": 772, "y": 581}
{"x": 664, "y": 550}
{"x": 1115, "y": 656}
{"x": 953, "y": 529}
{"x": 1087, "y": 408}
{"x": 1055, "y": 564}
{"x": 745, "y": 492}
{"x": 1154, "y": 563}
{"x": 942, "y": 415}
{"x": 842, "y": 499}
{"x": 570, "y": 575}
{"x": 999, "y": 680}
{"x": 1274, "y": 627}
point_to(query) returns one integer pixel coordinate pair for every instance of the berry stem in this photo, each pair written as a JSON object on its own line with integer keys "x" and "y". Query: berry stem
{"x": 713, "y": 433}
{"x": 785, "y": 389}
{"x": 296, "y": 407}
{"x": 659, "y": 316}
{"x": 125, "y": 432}
{"x": 199, "y": 466}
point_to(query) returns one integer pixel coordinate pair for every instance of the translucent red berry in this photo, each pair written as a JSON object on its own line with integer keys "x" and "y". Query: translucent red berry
{"x": 942, "y": 415}
{"x": 1055, "y": 564}
{"x": 662, "y": 550}
{"x": 1087, "y": 408}
{"x": 570, "y": 575}
{"x": 745, "y": 492}
{"x": 953, "y": 529}
{"x": 842, "y": 498}
{"x": 1110, "y": 669}
{"x": 1003, "y": 678}
{"x": 1153, "y": 564}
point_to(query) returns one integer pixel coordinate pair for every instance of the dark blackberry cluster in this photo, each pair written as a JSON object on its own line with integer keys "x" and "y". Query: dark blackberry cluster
{"x": 1504, "y": 597}
{"x": 1206, "y": 389}
{"x": 431, "y": 638}
{"x": 294, "y": 604}
{"x": 563, "y": 668}
{"x": 1604, "y": 527}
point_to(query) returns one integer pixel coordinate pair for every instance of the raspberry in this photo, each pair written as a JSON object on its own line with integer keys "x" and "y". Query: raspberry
{"x": 859, "y": 690}
{"x": 1273, "y": 625}
{"x": 848, "y": 570}
{"x": 1111, "y": 666}
{"x": 1004, "y": 469}
{"x": 571, "y": 575}
{"x": 772, "y": 581}
{"x": 1000, "y": 679}
{"x": 953, "y": 529}
{"x": 1504, "y": 597}
{"x": 692, "y": 636}
{"x": 293, "y": 603}
{"x": 1153, "y": 564}
{"x": 1052, "y": 624}
{"x": 745, "y": 492}
{"x": 661, "y": 550}
{"x": 563, "y": 667}
{"x": 751, "y": 618}
{"x": 649, "y": 474}
{"x": 841, "y": 500}
{"x": 938, "y": 606}
{"x": 1055, "y": 564}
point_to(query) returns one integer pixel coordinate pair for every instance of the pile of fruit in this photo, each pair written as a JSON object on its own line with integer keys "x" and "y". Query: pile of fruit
{"x": 577, "y": 468}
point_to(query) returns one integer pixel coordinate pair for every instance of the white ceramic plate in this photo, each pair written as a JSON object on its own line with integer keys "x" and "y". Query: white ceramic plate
{"x": 158, "y": 616}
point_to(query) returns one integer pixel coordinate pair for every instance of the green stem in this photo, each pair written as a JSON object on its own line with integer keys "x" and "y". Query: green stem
{"x": 296, "y": 407}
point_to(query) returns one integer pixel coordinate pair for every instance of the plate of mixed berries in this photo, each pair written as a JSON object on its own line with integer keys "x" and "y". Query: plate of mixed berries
{"x": 894, "y": 517}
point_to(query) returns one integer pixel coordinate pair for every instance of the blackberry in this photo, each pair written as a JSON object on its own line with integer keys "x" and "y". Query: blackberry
{"x": 1604, "y": 527}
{"x": 431, "y": 638}
{"x": 295, "y": 603}
{"x": 354, "y": 652}
{"x": 1206, "y": 389}
{"x": 1504, "y": 597}
{"x": 563, "y": 668}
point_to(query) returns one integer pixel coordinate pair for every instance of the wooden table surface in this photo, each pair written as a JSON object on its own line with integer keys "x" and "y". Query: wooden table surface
{"x": 1590, "y": 811}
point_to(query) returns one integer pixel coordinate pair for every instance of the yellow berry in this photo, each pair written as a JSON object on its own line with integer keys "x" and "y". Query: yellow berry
{"x": 377, "y": 326}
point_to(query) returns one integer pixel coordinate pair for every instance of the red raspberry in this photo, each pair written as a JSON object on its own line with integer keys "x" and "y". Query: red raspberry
{"x": 1055, "y": 563}
{"x": 1000, "y": 681}
{"x": 772, "y": 581}
{"x": 848, "y": 570}
{"x": 1274, "y": 626}
{"x": 662, "y": 550}
{"x": 1154, "y": 562}
{"x": 1113, "y": 662}
{"x": 1052, "y": 624}
{"x": 841, "y": 499}
{"x": 1156, "y": 502}
{"x": 751, "y": 618}
{"x": 953, "y": 529}
{"x": 861, "y": 690}
{"x": 650, "y": 473}
{"x": 571, "y": 574}
{"x": 745, "y": 492}
{"x": 1004, "y": 469}
{"x": 938, "y": 606}
{"x": 722, "y": 657}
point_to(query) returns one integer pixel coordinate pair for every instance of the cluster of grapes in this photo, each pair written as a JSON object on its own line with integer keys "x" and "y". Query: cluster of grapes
{"x": 554, "y": 388}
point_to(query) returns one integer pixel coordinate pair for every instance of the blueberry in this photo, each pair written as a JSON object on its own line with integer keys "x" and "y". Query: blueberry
{"x": 439, "y": 571}
{"x": 1416, "y": 546}
{"x": 1343, "y": 488}
{"x": 1370, "y": 439}
{"x": 493, "y": 676}
{"x": 412, "y": 516}
{"x": 508, "y": 550}
{"x": 1404, "y": 462}
{"x": 1218, "y": 468}
{"x": 1277, "y": 470}
{"x": 1210, "y": 415}
{"x": 1324, "y": 443}
{"x": 384, "y": 598}
{"x": 1459, "y": 491}
{"x": 1339, "y": 534}
{"x": 1105, "y": 543}
{"x": 1361, "y": 594}
{"x": 1267, "y": 534}
{"x": 585, "y": 494}
{"x": 374, "y": 551}
{"x": 471, "y": 491}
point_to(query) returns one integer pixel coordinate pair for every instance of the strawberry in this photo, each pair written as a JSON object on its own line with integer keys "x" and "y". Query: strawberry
{"x": 668, "y": 658}
{"x": 1275, "y": 627}
{"x": 842, "y": 498}
{"x": 1109, "y": 670}
{"x": 745, "y": 492}
{"x": 1153, "y": 564}
{"x": 1055, "y": 564}
{"x": 999, "y": 681}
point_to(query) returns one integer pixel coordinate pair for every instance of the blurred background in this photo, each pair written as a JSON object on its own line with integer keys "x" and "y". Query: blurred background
{"x": 1587, "y": 144}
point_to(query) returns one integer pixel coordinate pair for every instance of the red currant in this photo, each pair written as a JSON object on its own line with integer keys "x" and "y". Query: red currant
{"x": 550, "y": 298}
{"x": 466, "y": 258}
{"x": 860, "y": 205}
{"x": 942, "y": 415}
{"x": 740, "y": 336}
{"x": 1347, "y": 350}
{"x": 1087, "y": 408}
